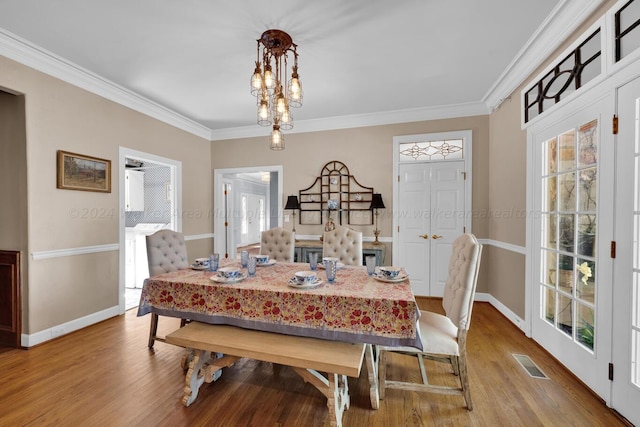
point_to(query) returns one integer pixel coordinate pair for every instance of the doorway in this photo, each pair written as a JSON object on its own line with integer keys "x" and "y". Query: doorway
{"x": 572, "y": 190}
{"x": 625, "y": 393}
{"x": 433, "y": 195}
{"x": 245, "y": 199}
{"x": 150, "y": 199}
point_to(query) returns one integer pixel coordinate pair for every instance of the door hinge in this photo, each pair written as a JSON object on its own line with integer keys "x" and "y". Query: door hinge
{"x": 464, "y": 176}
{"x": 464, "y": 229}
{"x": 613, "y": 249}
{"x": 610, "y": 371}
{"x": 398, "y": 178}
{"x": 615, "y": 125}
{"x": 398, "y": 229}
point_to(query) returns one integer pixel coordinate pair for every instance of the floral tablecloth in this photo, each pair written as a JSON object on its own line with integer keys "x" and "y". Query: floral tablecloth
{"x": 356, "y": 308}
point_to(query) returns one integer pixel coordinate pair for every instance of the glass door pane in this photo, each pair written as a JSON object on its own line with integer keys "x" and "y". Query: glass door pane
{"x": 568, "y": 232}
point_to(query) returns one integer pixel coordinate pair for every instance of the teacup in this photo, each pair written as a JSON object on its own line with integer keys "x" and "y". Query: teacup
{"x": 229, "y": 272}
{"x": 304, "y": 277}
{"x": 201, "y": 262}
{"x": 389, "y": 272}
{"x": 262, "y": 259}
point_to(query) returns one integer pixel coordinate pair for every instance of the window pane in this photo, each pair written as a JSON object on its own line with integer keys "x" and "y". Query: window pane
{"x": 549, "y": 231}
{"x": 567, "y": 151}
{"x": 585, "y": 331}
{"x": 431, "y": 150}
{"x": 567, "y": 192}
{"x": 549, "y": 188}
{"x": 585, "y": 285}
{"x": 549, "y": 297}
{"x": 588, "y": 186}
{"x": 550, "y": 148}
{"x": 566, "y": 233}
{"x": 565, "y": 314}
{"x": 549, "y": 268}
{"x": 587, "y": 235}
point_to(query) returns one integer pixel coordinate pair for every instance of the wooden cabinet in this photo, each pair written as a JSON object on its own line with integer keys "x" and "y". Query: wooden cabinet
{"x": 134, "y": 190}
{"x": 305, "y": 247}
{"x": 10, "y": 300}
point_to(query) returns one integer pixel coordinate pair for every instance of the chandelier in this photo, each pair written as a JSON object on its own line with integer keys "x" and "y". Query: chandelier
{"x": 274, "y": 94}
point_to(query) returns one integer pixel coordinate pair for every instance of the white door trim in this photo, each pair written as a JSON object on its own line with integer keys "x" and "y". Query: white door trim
{"x": 176, "y": 220}
{"x": 218, "y": 202}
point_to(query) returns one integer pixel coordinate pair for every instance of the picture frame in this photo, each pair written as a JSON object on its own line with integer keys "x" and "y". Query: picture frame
{"x": 83, "y": 173}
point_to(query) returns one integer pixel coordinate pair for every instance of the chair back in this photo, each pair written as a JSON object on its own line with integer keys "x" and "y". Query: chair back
{"x": 462, "y": 278}
{"x": 344, "y": 244}
{"x": 166, "y": 252}
{"x": 278, "y": 243}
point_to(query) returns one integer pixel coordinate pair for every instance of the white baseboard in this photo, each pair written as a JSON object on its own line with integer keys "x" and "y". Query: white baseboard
{"x": 516, "y": 320}
{"x": 29, "y": 340}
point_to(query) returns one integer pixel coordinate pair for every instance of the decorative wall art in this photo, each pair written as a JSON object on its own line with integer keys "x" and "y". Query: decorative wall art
{"x": 85, "y": 173}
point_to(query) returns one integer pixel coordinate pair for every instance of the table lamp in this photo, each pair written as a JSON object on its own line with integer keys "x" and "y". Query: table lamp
{"x": 294, "y": 205}
{"x": 376, "y": 203}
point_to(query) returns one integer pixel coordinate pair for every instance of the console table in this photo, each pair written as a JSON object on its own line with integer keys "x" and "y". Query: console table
{"x": 305, "y": 247}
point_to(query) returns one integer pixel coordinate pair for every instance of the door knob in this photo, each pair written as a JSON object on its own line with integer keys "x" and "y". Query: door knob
{"x": 424, "y": 236}
{"x": 435, "y": 237}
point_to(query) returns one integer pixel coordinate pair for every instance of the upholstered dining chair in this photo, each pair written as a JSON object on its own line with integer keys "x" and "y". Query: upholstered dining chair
{"x": 166, "y": 251}
{"x": 278, "y": 243}
{"x": 444, "y": 337}
{"x": 344, "y": 244}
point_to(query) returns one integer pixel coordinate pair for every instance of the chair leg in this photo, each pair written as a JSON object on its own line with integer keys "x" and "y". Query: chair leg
{"x": 153, "y": 330}
{"x": 461, "y": 361}
{"x": 382, "y": 372}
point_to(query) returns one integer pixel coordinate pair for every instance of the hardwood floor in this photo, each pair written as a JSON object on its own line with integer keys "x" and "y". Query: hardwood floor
{"x": 104, "y": 375}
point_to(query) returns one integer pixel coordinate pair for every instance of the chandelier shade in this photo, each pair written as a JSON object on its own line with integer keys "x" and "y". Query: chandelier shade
{"x": 275, "y": 95}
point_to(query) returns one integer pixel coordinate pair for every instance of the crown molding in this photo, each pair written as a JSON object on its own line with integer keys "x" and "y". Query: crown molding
{"x": 559, "y": 25}
{"x": 361, "y": 120}
{"x": 26, "y": 53}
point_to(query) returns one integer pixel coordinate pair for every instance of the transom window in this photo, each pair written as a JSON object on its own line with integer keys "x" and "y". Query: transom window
{"x": 449, "y": 149}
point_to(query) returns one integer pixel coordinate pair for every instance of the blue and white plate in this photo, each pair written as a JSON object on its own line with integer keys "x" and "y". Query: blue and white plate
{"x": 400, "y": 278}
{"x": 266, "y": 264}
{"x": 220, "y": 279}
{"x": 199, "y": 267}
{"x": 293, "y": 282}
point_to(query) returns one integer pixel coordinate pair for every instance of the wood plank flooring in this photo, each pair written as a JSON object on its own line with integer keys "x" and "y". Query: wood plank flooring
{"x": 104, "y": 375}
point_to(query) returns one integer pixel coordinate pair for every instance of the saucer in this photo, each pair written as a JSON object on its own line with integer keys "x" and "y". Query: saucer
{"x": 401, "y": 278}
{"x": 293, "y": 282}
{"x": 266, "y": 264}
{"x": 219, "y": 279}
{"x": 199, "y": 267}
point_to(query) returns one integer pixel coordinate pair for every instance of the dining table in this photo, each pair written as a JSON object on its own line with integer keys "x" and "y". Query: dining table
{"x": 356, "y": 308}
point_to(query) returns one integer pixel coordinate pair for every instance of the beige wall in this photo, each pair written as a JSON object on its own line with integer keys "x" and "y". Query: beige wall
{"x": 507, "y": 195}
{"x": 60, "y": 116}
{"x": 367, "y": 152}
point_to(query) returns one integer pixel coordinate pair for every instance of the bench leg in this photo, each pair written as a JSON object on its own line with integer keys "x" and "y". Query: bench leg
{"x": 336, "y": 389}
{"x": 204, "y": 367}
{"x": 372, "y": 372}
{"x": 195, "y": 377}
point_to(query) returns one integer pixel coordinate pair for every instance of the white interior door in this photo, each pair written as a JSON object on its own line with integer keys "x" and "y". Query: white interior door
{"x": 625, "y": 394}
{"x": 253, "y": 218}
{"x": 432, "y": 214}
{"x": 572, "y": 188}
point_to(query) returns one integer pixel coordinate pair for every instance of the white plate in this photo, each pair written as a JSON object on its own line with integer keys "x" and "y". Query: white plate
{"x": 293, "y": 282}
{"x": 338, "y": 266}
{"x": 401, "y": 278}
{"x": 219, "y": 279}
{"x": 199, "y": 267}
{"x": 266, "y": 264}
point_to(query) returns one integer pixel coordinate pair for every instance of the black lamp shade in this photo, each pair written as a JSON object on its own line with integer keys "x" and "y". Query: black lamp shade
{"x": 292, "y": 203}
{"x": 376, "y": 201}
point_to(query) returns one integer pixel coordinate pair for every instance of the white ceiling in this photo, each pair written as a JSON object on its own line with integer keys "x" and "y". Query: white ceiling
{"x": 361, "y": 61}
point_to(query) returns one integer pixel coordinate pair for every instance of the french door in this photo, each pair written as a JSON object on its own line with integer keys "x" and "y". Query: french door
{"x": 431, "y": 215}
{"x": 626, "y": 294}
{"x": 572, "y": 193}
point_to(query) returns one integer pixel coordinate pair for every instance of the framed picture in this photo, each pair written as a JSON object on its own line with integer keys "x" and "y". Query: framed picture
{"x": 85, "y": 173}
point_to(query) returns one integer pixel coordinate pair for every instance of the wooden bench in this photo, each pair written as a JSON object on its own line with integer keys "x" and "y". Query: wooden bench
{"x": 305, "y": 355}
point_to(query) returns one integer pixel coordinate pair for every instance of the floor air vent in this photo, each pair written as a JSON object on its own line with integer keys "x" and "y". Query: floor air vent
{"x": 528, "y": 365}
